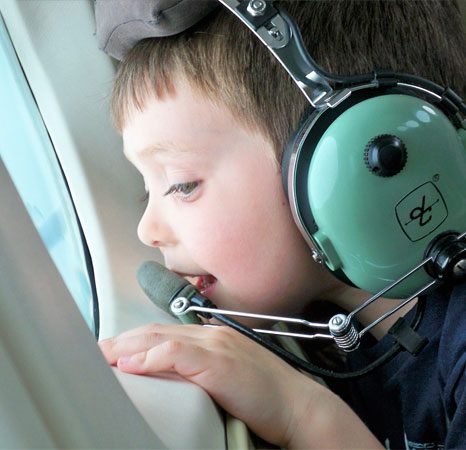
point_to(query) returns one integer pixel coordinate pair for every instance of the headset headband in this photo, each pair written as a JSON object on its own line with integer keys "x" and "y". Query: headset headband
{"x": 279, "y": 33}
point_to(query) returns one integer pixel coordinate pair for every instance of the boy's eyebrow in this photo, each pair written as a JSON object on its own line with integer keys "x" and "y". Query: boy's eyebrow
{"x": 160, "y": 147}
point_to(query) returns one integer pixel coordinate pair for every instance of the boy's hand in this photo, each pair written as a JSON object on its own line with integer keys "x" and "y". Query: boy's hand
{"x": 276, "y": 401}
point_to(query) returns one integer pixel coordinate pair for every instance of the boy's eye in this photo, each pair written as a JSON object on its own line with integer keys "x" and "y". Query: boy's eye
{"x": 184, "y": 190}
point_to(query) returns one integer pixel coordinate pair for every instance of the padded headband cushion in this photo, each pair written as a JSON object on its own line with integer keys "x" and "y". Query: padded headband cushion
{"x": 121, "y": 24}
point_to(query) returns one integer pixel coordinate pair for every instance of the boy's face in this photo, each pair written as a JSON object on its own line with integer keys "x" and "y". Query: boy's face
{"x": 216, "y": 205}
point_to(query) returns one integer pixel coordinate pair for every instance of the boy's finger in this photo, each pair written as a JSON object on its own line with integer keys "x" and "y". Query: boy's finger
{"x": 178, "y": 328}
{"x": 185, "y": 358}
{"x": 114, "y": 348}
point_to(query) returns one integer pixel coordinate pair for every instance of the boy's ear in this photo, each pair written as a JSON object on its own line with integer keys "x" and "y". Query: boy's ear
{"x": 121, "y": 24}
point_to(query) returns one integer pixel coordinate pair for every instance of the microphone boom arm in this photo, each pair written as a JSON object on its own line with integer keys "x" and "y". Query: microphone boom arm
{"x": 340, "y": 327}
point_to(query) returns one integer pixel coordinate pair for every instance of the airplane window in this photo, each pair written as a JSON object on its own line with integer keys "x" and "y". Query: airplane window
{"x": 30, "y": 158}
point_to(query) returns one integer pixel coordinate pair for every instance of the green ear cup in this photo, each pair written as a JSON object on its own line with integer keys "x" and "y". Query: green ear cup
{"x": 376, "y": 226}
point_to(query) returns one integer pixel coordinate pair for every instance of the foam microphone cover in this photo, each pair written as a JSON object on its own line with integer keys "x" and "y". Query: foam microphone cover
{"x": 160, "y": 284}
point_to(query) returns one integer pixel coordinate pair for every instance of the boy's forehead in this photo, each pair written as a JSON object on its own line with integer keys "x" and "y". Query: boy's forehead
{"x": 184, "y": 106}
{"x": 167, "y": 147}
{"x": 187, "y": 123}
{"x": 175, "y": 140}
{"x": 181, "y": 123}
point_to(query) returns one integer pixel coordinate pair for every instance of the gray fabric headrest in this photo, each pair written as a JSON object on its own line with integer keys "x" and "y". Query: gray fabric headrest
{"x": 121, "y": 24}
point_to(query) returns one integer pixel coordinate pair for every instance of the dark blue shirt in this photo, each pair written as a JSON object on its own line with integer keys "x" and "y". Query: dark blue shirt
{"x": 417, "y": 402}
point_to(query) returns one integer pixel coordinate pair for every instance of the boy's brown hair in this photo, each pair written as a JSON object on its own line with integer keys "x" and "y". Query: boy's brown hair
{"x": 221, "y": 57}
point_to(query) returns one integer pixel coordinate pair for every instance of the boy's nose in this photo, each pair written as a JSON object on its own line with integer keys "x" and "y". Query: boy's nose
{"x": 153, "y": 230}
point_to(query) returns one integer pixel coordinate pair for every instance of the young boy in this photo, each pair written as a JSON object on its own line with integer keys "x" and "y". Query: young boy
{"x": 204, "y": 116}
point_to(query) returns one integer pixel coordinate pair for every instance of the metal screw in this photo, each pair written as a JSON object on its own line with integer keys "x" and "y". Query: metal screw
{"x": 337, "y": 320}
{"x": 256, "y": 7}
{"x": 179, "y": 305}
{"x": 316, "y": 256}
{"x": 276, "y": 33}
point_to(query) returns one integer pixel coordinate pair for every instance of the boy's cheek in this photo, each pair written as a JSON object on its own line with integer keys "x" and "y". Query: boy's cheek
{"x": 219, "y": 240}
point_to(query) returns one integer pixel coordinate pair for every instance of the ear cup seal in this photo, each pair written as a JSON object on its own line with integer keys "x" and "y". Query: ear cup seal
{"x": 307, "y": 120}
{"x": 293, "y": 144}
{"x": 290, "y": 146}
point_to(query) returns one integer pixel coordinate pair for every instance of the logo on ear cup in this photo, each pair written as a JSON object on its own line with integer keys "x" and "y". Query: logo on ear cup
{"x": 421, "y": 212}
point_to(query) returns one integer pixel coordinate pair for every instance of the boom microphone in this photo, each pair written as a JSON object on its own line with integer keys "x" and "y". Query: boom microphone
{"x": 163, "y": 286}
{"x": 178, "y": 297}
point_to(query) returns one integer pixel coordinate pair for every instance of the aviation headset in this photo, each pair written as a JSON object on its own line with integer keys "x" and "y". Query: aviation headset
{"x": 375, "y": 174}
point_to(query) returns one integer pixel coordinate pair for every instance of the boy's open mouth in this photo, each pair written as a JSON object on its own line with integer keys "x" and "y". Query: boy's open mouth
{"x": 205, "y": 283}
